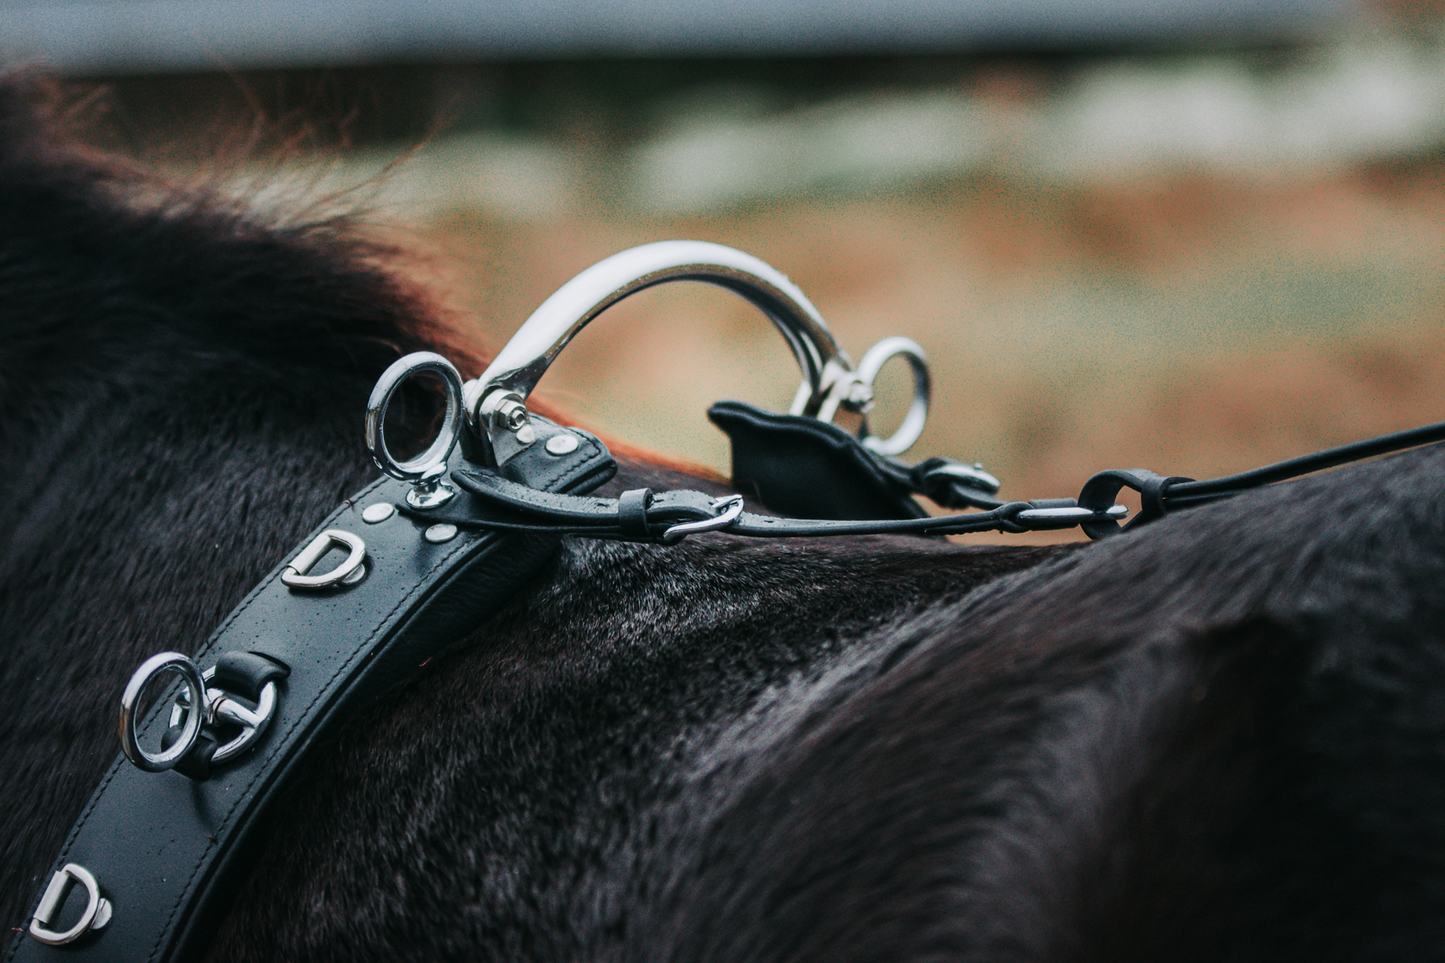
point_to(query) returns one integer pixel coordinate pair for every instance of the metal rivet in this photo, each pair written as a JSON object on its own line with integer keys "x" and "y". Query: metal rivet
{"x": 377, "y": 512}
{"x": 563, "y": 444}
{"x": 441, "y": 532}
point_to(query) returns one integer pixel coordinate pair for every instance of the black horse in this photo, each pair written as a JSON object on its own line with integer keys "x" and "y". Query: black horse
{"x": 1221, "y": 736}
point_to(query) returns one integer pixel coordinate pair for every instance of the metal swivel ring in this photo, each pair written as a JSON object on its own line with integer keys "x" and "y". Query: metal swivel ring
{"x": 425, "y": 471}
{"x": 130, "y": 700}
{"x": 913, "y": 422}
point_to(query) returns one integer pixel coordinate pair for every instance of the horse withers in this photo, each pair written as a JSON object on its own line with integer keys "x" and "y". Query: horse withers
{"x": 1218, "y": 736}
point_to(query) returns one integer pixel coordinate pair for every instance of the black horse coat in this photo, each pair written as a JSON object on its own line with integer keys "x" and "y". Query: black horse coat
{"x": 1218, "y": 737}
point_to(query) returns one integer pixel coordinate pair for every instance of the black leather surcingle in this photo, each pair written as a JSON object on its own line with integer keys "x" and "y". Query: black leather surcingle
{"x": 162, "y": 845}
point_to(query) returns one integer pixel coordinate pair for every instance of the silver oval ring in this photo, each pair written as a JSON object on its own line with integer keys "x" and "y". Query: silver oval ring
{"x": 913, "y": 422}
{"x": 417, "y": 362}
{"x": 130, "y": 699}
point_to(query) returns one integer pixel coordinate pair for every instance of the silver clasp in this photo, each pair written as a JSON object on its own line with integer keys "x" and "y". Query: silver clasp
{"x": 215, "y": 706}
{"x": 221, "y": 706}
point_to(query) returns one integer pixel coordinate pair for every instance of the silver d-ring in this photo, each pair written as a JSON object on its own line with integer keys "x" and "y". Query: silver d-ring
{"x": 130, "y": 699}
{"x": 418, "y": 362}
{"x": 96, "y": 915}
{"x": 297, "y": 575}
{"x": 913, "y": 422}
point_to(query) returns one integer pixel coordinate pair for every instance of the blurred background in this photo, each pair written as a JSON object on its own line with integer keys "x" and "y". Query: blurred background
{"x": 1188, "y": 235}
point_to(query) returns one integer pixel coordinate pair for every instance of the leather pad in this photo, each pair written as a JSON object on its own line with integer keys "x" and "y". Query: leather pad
{"x": 807, "y": 468}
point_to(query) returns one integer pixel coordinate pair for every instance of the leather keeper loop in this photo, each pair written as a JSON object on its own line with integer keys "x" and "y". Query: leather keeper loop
{"x": 246, "y": 673}
{"x": 632, "y": 512}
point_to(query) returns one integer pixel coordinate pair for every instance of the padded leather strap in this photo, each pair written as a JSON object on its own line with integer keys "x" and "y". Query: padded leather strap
{"x": 163, "y": 847}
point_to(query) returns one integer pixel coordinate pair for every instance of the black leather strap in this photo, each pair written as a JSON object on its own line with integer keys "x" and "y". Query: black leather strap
{"x": 645, "y": 516}
{"x": 162, "y": 845}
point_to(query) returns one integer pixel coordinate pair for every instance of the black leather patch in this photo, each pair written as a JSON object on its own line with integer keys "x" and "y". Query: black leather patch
{"x": 807, "y": 468}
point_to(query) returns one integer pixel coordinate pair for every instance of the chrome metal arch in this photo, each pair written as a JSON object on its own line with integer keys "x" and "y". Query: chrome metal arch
{"x": 521, "y": 364}
{"x": 495, "y": 403}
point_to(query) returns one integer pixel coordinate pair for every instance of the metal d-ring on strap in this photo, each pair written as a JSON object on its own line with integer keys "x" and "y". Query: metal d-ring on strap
{"x": 95, "y": 916}
{"x": 297, "y": 573}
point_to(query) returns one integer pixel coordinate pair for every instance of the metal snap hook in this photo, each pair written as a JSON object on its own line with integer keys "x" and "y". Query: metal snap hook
{"x": 222, "y": 706}
{"x": 913, "y": 422}
{"x": 426, "y": 470}
{"x": 130, "y": 699}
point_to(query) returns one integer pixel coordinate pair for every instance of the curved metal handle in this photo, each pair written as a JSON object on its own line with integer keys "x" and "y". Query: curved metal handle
{"x": 495, "y": 404}
{"x": 521, "y": 364}
{"x": 493, "y": 400}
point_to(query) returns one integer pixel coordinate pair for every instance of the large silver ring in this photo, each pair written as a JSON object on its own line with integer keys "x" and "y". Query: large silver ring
{"x": 913, "y": 422}
{"x": 130, "y": 700}
{"x": 436, "y": 454}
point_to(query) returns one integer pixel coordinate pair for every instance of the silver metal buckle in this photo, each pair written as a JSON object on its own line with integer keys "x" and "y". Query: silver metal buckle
{"x": 729, "y": 508}
{"x": 348, "y": 572}
{"x": 97, "y": 909}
